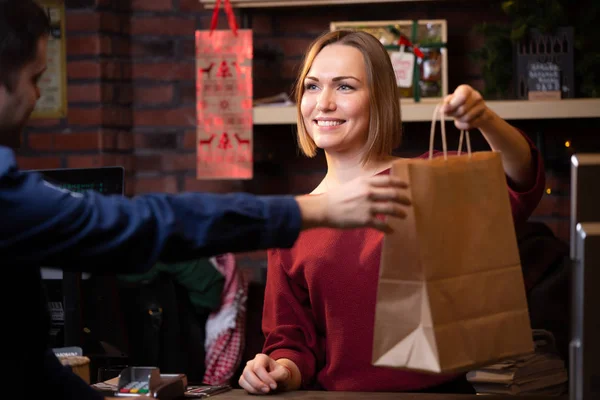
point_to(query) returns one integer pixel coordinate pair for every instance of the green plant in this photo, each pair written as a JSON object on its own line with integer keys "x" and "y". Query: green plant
{"x": 497, "y": 48}
{"x": 587, "y": 49}
{"x": 545, "y": 15}
{"x": 496, "y": 54}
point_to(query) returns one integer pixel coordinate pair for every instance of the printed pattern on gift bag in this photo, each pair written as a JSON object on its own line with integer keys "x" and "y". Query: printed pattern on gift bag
{"x": 224, "y": 101}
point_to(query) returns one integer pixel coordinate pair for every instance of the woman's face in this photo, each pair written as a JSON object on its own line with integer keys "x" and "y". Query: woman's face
{"x": 335, "y": 103}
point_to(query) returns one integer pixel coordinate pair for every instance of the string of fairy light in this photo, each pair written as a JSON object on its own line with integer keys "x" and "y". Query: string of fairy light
{"x": 567, "y": 145}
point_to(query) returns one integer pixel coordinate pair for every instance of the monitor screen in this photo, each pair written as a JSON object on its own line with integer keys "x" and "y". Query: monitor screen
{"x": 105, "y": 180}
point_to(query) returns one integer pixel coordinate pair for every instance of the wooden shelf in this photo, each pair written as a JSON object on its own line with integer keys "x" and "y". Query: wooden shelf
{"x": 293, "y": 3}
{"x": 423, "y": 111}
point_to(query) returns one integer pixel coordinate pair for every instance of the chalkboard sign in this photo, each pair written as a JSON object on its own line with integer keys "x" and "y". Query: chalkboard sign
{"x": 537, "y": 57}
{"x": 543, "y": 77}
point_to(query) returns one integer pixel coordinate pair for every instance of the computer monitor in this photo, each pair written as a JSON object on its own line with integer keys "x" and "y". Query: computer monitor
{"x": 105, "y": 180}
{"x": 65, "y": 286}
{"x": 585, "y": 191}
{"x": 585, "y": 335}
{"x": 585, "y": 256}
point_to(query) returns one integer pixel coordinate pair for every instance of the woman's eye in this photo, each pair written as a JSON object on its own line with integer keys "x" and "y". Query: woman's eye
{"x": 310, "y": 86}
{"x": 346, "y": 87}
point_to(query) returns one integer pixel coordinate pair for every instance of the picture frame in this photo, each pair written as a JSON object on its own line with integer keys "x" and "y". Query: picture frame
{"x": 53, "y": 83}
{"x": 429, "y": 35}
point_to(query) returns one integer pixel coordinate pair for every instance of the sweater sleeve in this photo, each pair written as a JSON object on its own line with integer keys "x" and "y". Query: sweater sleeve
{"x": 45, "y": 225}
{"x": 523, "y": 202}
{"x": 288, "y": 322}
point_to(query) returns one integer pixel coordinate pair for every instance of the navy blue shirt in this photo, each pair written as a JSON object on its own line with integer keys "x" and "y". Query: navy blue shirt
{"x": 41, "y": 224}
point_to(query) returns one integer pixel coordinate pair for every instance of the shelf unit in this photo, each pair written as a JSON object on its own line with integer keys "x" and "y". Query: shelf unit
{"x": 423, "y": 111}
{"x": 295, "y": 3}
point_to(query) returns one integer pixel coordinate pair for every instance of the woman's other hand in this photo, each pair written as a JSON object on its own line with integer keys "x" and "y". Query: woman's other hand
{"x": 263, "y": 375}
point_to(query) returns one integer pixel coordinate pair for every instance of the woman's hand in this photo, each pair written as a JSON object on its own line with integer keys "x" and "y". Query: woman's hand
{"x": 470, "y": 111}
{"x": 467, "y": 107}
{"x": 356, "y": 204}
{"x": 262, "y": 375}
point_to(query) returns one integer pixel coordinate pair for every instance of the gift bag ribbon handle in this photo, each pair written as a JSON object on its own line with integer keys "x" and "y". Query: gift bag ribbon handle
{"x": 228, "y": 12}
{"x": 439, "y": 110}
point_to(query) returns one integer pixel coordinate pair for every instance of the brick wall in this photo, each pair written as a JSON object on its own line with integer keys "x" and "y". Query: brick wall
{"x": 131, "y": 96}
{"x": 97, "y": 130}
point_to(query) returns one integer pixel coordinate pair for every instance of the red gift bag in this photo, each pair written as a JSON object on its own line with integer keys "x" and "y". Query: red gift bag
{"x": 224, "y": 100}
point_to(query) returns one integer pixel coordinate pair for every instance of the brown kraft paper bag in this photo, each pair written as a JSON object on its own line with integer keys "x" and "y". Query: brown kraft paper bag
{"x": 451, "y": 295}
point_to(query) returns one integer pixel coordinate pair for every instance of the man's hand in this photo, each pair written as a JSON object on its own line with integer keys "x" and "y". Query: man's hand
{"x": 359, "y": 203}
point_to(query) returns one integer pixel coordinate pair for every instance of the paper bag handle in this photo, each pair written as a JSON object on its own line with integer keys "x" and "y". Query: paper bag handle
{"x": 463, "y": 133}
{"x": 230, "y": 17}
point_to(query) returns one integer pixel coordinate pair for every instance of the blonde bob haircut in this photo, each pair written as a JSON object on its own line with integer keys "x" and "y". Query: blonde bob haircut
{"x": 385, "y": 123}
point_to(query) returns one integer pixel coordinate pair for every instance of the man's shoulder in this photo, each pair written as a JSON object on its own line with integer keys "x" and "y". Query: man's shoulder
{"x": 7, "y": 160}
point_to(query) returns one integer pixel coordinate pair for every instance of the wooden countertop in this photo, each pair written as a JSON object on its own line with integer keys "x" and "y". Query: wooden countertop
{"x": 238, "y": 394}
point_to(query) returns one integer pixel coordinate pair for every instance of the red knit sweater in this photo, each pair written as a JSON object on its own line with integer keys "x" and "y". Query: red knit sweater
{"x": 320, "y": 305}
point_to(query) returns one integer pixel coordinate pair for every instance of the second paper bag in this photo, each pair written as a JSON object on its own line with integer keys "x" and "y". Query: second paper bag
{"x": 451, "y": 294}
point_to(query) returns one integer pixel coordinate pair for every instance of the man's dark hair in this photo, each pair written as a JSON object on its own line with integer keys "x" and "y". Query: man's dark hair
{"x": 22, "y": 24}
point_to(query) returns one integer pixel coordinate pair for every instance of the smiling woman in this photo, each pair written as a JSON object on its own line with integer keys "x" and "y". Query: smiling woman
{"x": 335, "y": 101}
{"x": 349, "y": 73}
{"x": 320, "y": 296}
